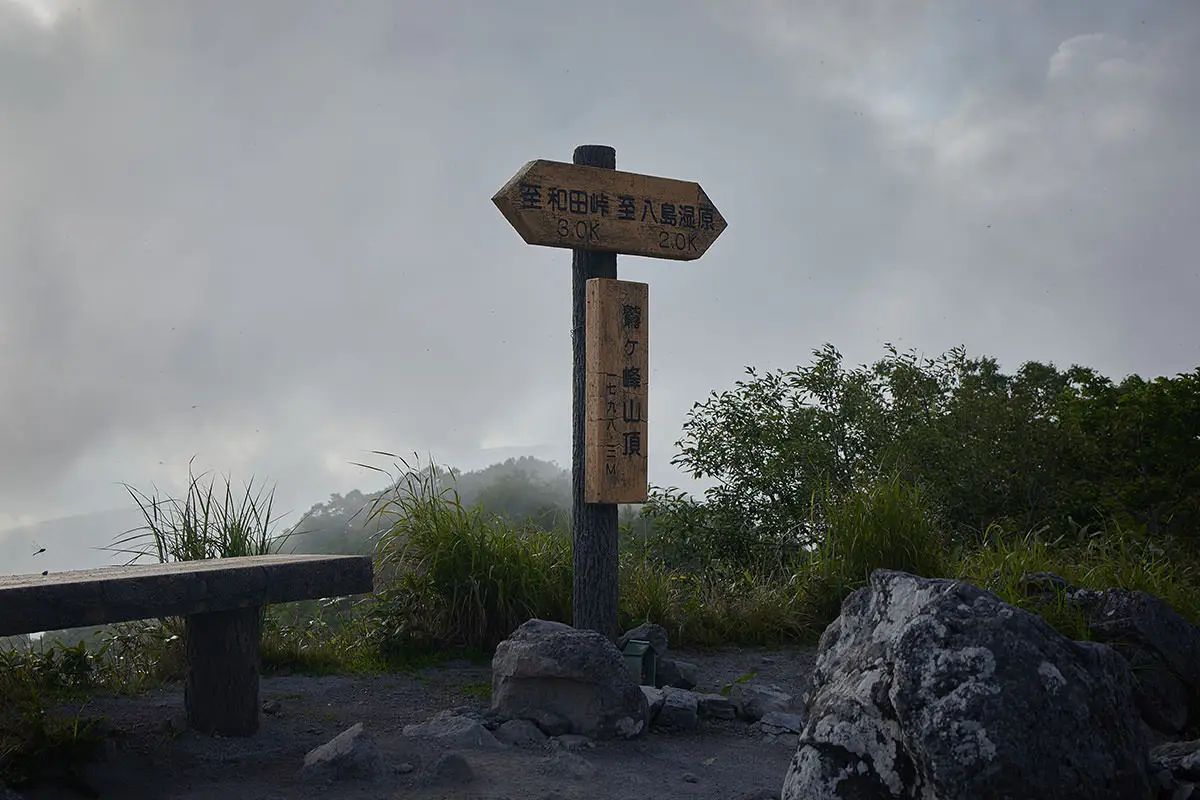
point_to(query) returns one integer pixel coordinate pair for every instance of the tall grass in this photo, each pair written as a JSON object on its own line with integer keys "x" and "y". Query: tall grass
{"x": 884, "y": 524}
{"x": 459, "y": 577}
{"x": 717, "y": 607}
{"x": 202, "y": 525}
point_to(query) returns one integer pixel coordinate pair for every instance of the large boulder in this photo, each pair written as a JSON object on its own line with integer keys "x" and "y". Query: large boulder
{"x": 935, "y": 688}
{"x": 551, "y": 670}
{"x": 1162, "y": 647}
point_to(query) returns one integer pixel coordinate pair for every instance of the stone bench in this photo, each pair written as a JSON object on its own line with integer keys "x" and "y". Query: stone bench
{"x": 221, "y": 601}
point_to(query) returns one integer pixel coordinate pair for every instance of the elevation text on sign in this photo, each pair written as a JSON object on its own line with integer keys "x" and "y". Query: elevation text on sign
{"x": 567, "y": 205}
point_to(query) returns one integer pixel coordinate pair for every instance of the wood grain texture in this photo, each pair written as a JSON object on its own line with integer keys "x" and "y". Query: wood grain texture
{"x": 32, "y": 603}
{"x": 594, "y": 555}
{"x": 221, "y": 686}
{"x": 554, "y": 204}
{"x": 618, "y": 368}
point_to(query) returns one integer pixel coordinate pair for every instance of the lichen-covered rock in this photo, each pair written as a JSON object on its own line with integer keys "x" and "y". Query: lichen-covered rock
{"x": 548, "y": 670}
{"x": 937, "y": 689}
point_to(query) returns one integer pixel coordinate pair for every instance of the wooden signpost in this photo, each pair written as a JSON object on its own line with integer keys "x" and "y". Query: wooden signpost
{"x": 597, "y": 212}
{"x": 592, "y": 208}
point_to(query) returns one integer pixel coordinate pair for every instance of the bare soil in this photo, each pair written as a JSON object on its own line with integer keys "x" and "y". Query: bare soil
{"x": 148, "y": 755}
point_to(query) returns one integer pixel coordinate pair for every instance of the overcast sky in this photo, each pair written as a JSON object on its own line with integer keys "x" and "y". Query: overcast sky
{"x": 259, "y": 232}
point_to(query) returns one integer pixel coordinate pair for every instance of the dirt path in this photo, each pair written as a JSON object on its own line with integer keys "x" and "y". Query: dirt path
{"x": 148, "y": 758}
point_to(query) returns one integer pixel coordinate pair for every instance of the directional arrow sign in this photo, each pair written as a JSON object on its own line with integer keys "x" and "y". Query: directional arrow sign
{"x": 587, "y": 208}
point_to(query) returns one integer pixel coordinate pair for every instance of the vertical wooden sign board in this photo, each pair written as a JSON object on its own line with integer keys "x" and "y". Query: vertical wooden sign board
{"x": 598, "y": 212}
{"x": 618, "y": 367}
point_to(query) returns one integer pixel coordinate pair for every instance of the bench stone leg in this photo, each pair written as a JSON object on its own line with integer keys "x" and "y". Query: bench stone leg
{"x": 221, "y": 689}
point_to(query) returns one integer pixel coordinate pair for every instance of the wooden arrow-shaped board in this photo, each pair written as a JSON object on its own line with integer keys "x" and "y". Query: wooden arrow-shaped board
{"x": 587, "y": 208}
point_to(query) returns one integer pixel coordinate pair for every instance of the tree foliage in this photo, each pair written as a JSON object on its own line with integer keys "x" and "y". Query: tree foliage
{"x": 1038, "y": 447}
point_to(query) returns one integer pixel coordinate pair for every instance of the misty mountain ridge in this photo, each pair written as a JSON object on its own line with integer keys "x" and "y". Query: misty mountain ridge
{"x": 524, "y": 488}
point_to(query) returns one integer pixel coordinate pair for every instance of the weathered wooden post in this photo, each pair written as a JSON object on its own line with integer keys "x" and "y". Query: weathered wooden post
{"x": 598, "y": 212}
{"x": 220, "y": 690}
{"x": 593, "y": 523}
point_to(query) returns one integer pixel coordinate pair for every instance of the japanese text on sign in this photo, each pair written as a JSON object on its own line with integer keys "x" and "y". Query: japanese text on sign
{"x": 618, "y": 359}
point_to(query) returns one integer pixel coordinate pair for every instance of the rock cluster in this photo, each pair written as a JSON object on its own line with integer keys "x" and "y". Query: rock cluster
{"x": 922, "y": 689}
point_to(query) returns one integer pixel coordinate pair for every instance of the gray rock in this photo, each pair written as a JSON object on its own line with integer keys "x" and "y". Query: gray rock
{"x": 1162, "y": 782}
{"x": 627, "y": 728}
{"x": 1044, "y": 585}
{"x": 777, "y": 722}
{"x": 754, "y": 700}
{"x": 520, "y": 732}
{"x": 680, "y": 709}
{"x": 715, "y": 706}
{"x": 549, "y": 667}
{"x": 568, "y": 765}
{"x": 1162, "y": 647}
{"x": 349, "y": 755}
{"x": 935, "y": 687}
{"x": 656, "y": 635}
{"x": 1162, "y": 698}
{"x": 690, "y": 777}
{"x": 450, "y": 769}
{"x": 760, "y": 793}
{"x": 654, "y": 701}
{"x": 787, "y": 740}
{"x": 493, "y": 719}
{"x": 548, "y": 722}
{"x": 572, "y": 742}
{"x": 677, "y": 674}
{"x": 689, "y": 674}
{"x": 450, "y": 730}
{"x": 1182, "y": 759}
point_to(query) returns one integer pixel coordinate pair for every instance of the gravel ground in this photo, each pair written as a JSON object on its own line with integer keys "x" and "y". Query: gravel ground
{"x": 149, "y": 756}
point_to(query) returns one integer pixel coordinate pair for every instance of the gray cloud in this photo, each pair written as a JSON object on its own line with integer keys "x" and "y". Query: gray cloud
{"x": 261, "y": 233}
